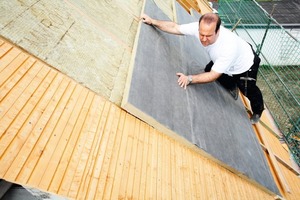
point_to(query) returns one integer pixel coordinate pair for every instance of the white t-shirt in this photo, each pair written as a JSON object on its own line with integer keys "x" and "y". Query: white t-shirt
{"x": 230, "y": 54}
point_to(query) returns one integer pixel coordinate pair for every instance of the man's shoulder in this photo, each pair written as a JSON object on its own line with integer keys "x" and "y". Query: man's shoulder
{"x": 225, "y": 30}
{"x": 227, "y": 36}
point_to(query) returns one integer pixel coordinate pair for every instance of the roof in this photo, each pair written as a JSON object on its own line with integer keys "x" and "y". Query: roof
{"x": 62, "y": 138}
{"x": 133, "y": 160}
{"x": 286, "y": 12}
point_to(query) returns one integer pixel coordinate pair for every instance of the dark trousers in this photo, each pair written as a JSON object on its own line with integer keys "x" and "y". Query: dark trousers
{"x": 247, "y": 87}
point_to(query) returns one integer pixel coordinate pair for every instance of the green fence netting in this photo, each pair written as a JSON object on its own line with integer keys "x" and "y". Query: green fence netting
{"x": 279, "y": 77}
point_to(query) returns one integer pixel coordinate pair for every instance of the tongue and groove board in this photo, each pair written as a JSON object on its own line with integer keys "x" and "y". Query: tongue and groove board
{"x": 204, "y": 117}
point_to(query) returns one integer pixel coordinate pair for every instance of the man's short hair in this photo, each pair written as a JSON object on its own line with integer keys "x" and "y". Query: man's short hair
{"x": 209, "y": 18}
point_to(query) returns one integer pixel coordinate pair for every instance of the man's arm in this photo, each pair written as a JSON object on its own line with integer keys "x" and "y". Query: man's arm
{"x": 166, "y": 26}
{"x": 205, "y": 77}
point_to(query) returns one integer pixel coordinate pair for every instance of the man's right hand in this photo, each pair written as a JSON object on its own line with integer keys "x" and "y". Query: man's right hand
{"x": 166, "y": 26}
{"x": 146, "y": 19}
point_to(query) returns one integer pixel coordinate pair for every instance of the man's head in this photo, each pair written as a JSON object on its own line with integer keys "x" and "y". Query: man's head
{"x": 209, "y": 26}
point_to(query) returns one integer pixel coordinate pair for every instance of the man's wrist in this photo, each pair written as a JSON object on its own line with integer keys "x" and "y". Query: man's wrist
{"x": 190, "y": 79}
{"x": 153, "y": 22}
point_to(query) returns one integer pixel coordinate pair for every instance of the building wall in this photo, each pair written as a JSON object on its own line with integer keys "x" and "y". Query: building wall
{"x": 279, "y": 48}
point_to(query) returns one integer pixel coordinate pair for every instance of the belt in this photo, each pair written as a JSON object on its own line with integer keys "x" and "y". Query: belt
{"x": 246, "y": 79}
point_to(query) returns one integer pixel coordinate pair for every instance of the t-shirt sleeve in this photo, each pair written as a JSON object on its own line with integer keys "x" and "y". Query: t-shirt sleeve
{"x": 189, "y": 29}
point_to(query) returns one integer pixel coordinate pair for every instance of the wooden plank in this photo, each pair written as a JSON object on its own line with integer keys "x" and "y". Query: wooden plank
{"x": 226, "y": 180}
{"x": 241, "y": 188}
{"x": 185, "y": 174}
{"x": 185, "y": 5}
{"x": 138, "y": 171}
{"x": 204, "y": 7}
{"x": 68, "y": 155}
{"x": 180, "y": 173}
{"x": 109, "y": 129}
{"x": 16, "y": 77}
{"x": 89, "y": 186}
{"x": 235, "y": 188}
{"x": 8, "y": 58}
{"x": 10, "y": 116}
{"x": 192, "y": 5}
{"x": 203, "y": 179}
{"x": 153, "y": 176}
{"x": 179, "y": 176}
{"x": 5, "y": 47}
{"x": 210, "y": 190}
{"x": 170, "y": 184}
{"x": 114, "y": 158}
{"x": 285, "y": 164}
{"x": 292, "y": 169}
{"x": 191, "y": 164}
{"x": 190, "y": 186}
{"x": 127, "y": 161}
{"x": 144, "y": 171}
{"x": 29, "y": 144}
{"x": 159, "y": 166}
{"x": 217, "y": 181}
{"x": 47, "y": 159}
{"x": 165, "y": 172}
{"x": 87, "y": 157}
{"x": 278, "y": 172}
{"x": 74, "y": 106}
{"x": 116, "y": 193}
{"x": 166, "y": 175}
{"x": 133, "y": 159}
{"x": 49, "y": 148}
{"x": 8, "y": 101}
{"x": 196, "y": 174}
{"x": 149, "y": 165}
{"x": 95, "y": 159}
{"x": 12, "y": 67}
{"x": 228, "y": 190}
{"x": 69, "y": 175}
{"x": 1, "y": 41}
{"x": 16, "y": 143}
{"x": 50, "y": 116}
{"x": 173, "y": 171}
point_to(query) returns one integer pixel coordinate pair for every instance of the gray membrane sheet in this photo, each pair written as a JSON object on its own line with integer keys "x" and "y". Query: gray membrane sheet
{"x": 205, "y": 114}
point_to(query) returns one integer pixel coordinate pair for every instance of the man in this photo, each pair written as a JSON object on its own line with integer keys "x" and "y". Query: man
{"x": 233, "y": 62}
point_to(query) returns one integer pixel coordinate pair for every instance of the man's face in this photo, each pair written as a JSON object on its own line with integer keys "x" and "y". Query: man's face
{"x": 207, "y": 33}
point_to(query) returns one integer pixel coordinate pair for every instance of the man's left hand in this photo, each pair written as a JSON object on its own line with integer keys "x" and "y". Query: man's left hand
{"x": 182, "y": 80}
